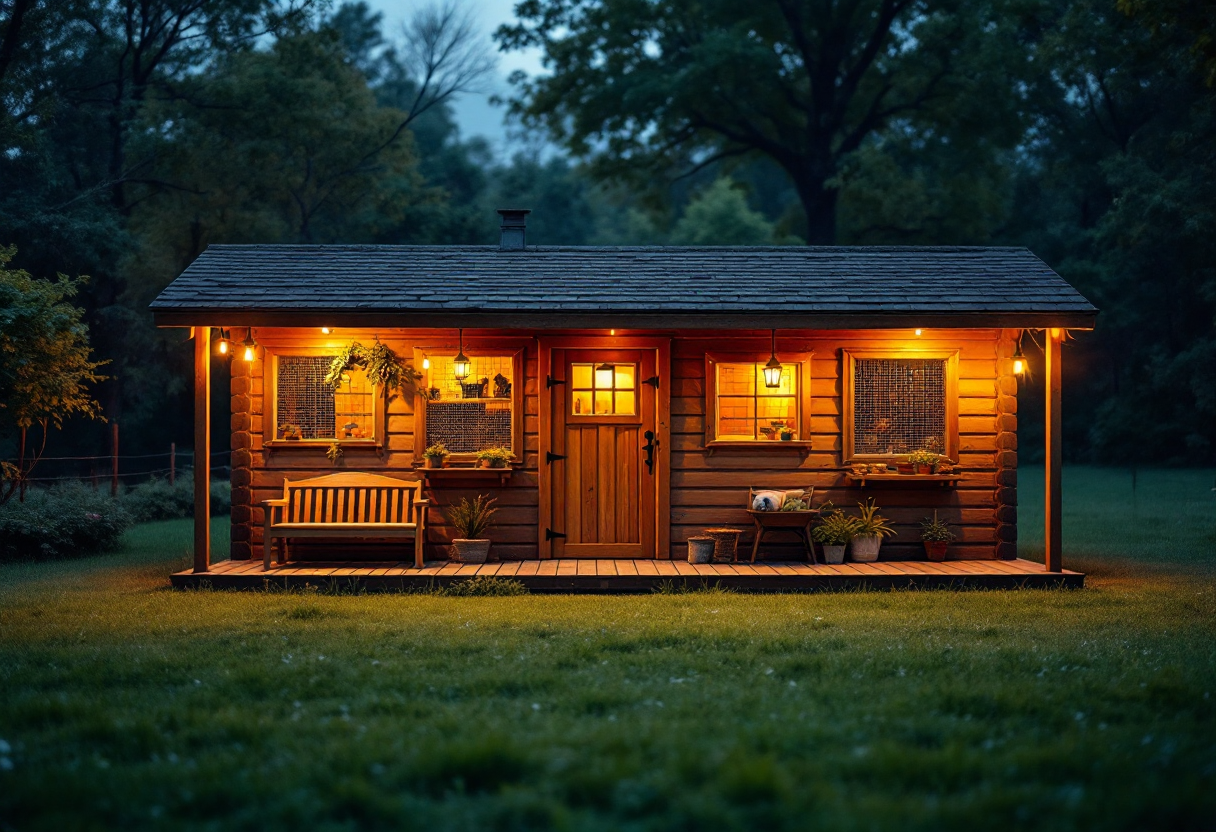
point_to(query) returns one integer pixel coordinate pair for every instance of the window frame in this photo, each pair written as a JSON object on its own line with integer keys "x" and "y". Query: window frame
{"x": 802, "y": 397}
{"x": 518, "y": 356}
{"x": 848, "y": 398}
{"x": 270, "y": 427}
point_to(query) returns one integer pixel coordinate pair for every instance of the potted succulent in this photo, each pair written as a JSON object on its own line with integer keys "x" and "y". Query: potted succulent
{"x": 470, "y": 520}
{"x": 923, "y": 461}
{"x": 871, "y": 527}
{"x": 936, "y": 536}
{"x": 787, "y": 433}
{"x": 494, "y": 457}
{"x": 834, "y": 534}
{"x": 436, "y": 456}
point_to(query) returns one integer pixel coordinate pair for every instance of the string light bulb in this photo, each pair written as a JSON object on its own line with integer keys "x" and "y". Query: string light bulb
{"x": 461, "y": 366}
{"x": 426, "y": 363}
{"x": 223, "y": 344}
{"x": 772, "y": 370}
{"x": 1019, "y": 360}
{"x": 250, "y": 346}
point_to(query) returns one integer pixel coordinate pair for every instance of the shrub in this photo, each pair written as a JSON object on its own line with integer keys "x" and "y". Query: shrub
{"x": 485, "y": 586}
{"x": 68, "y": 520}
{"x": 157, "y": 500}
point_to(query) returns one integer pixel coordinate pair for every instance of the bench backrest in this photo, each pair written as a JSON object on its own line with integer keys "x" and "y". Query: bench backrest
{"x": 352, "y": 497}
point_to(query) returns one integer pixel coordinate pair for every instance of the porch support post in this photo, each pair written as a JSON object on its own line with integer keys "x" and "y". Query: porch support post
{"x": 1052, "y": 534}
{"x": 202, "y": 448}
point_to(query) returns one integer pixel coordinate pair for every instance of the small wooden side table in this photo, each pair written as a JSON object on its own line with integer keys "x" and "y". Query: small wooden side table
{"x": 798, "y": 522}
{"x": 726, "y": 543}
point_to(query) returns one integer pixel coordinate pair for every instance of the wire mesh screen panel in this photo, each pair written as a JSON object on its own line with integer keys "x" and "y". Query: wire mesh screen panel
{"x": 899, "y": 405}
{"x": 308, "y": 408}
{"x": 474, "y": 413}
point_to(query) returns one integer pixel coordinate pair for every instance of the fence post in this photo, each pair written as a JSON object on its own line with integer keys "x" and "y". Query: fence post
{"x": 172, "y": 462}
{"x": 114, "y": 458}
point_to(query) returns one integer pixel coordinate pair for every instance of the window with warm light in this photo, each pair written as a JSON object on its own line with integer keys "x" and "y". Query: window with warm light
{"x": 748, "y": 409}
{"x": 470, "y": 408}
{"x": 603, "y": 389}
{"x": 306, "y": 407}
{"x": 899, "y": 403}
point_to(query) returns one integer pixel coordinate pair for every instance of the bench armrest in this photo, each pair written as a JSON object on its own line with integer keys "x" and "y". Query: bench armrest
{"x": 422, "y": 502}
{"x": 278, "y": 502}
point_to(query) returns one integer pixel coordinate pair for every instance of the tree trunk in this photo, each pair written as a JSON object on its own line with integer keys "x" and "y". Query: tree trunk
{"x": 819, "y": 204}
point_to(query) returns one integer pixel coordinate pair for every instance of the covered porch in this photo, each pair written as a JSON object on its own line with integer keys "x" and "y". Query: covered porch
{"x": 634, "y": 575}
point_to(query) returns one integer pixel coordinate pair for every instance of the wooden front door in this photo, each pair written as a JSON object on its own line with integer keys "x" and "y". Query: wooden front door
{"x": 603, "y": 489}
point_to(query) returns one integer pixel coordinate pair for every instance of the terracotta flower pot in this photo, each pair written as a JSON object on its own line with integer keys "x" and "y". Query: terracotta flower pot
{"x": 935, "y": 549}
{"x": 924, "y": 469}
{"x": 864, "y": 548}
{"x": 470, "y": 551}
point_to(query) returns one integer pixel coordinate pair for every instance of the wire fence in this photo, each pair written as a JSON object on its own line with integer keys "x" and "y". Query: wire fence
{"x": 125, "y": 468}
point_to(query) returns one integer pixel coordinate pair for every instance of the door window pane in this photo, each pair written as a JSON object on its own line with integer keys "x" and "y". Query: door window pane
{"x": 603, "y": 389}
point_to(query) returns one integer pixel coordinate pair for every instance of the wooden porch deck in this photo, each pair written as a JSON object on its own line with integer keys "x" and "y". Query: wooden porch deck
{"x": 609, "y": 576}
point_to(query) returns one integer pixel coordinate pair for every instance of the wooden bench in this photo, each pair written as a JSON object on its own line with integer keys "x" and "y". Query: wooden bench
{"x": 348, "y": 504}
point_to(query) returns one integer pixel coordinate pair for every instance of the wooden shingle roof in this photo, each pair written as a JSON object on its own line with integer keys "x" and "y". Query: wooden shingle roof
{"x": 662, "y": 287}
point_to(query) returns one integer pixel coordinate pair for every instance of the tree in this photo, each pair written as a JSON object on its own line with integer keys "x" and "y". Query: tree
{"x": 719, "y": 216}
{"x": 45, "y": 364}
{"x": 649, "y": 88}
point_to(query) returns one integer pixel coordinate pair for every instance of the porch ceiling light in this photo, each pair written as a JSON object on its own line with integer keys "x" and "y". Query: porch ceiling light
{"x": 461, "y": 366}
{"x": 250, "y": 346}
{"x": 772, "y": 370}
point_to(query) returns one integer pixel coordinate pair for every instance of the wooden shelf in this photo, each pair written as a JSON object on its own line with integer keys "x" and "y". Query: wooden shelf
{"x": 941, "y": 479}
{"x": 479, "y": 475}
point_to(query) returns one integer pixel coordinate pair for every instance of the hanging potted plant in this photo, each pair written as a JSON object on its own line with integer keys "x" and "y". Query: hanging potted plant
{"x": 436, "y": 456}
{"x": 936, "y": 537}
{"x": 834, "y": 534}
{"x": 494, "y": 457}
{"x": 871, "y": 527}
{"x": 470, "y": 520}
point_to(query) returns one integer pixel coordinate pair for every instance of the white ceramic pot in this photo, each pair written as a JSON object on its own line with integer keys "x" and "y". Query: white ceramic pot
{"x": 865, "y": 548}
{"x": 470, "y": 551}
{"x": 700, "y": 550}
{"x": 833, "y": 554}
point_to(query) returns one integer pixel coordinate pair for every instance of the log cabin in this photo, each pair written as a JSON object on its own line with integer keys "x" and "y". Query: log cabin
{"x": 629, "y": 386}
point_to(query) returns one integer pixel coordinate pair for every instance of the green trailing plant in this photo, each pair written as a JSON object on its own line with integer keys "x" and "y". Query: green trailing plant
{"x": 794, "y": 504}
{"x": 837, "y": 529}
{"x": 498, "y": 457}
{"x": 334, "y": 453}
{"x": 870, "y": 523}
{"x": 385, "y": 370}
{"x": 437, "y": 451}
{"x": 471, "y": 519}
{"x": 935, "y": 531}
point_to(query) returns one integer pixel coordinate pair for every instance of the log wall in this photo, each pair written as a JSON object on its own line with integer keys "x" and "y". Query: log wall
{"x": 708, "y": 487}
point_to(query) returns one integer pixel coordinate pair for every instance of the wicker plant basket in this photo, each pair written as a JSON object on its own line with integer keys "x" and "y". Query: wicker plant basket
{"x": 726, "y": 544}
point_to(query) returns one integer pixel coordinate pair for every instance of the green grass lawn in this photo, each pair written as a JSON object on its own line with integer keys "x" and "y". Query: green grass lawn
{"x": 125, "y": 705}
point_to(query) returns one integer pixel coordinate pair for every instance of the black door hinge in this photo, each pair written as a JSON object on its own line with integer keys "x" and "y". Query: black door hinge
{"x": 550, "y": 381}
{"x": 653, "y": 381}
{"x": 550, "y": 534}
{"x": 551, "y": 457}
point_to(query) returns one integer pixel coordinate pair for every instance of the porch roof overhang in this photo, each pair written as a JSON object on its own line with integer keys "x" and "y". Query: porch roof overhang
{"x": 656, "y": 288}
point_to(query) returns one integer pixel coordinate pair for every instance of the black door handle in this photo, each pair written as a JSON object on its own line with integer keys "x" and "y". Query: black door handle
{"x": 649, "y": 447}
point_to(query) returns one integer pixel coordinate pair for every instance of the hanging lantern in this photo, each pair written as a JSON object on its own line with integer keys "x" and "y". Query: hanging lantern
{"x": 772, "y": 370}
{"x": 603, "y": 376}
{"x": 250, "y": 346}
{"x": 461, "y": 366}
{"x": 223, "y": 343}
{"x": 1019, "y": 360}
